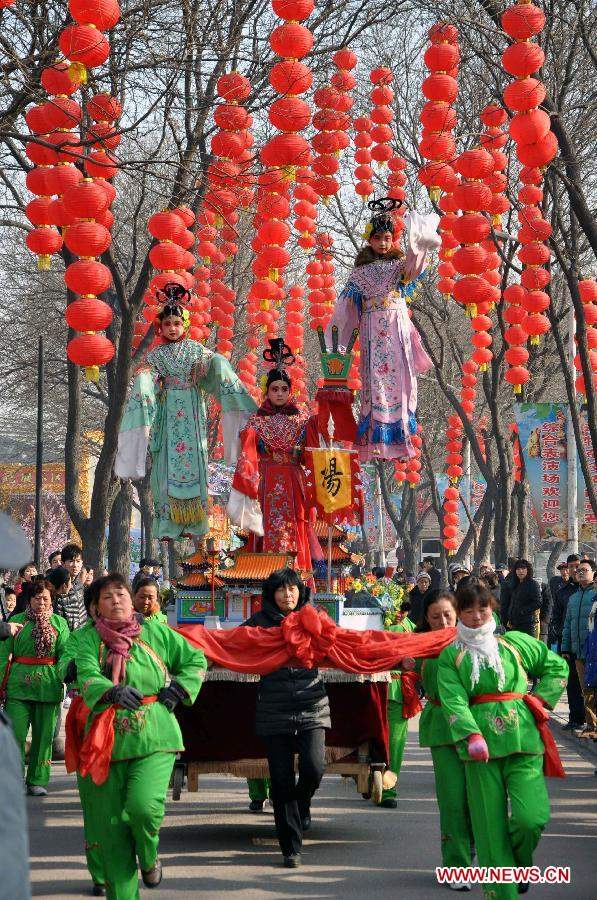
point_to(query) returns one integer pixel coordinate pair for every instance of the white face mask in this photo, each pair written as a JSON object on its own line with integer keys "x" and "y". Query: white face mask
{"x": 483, "y": 648}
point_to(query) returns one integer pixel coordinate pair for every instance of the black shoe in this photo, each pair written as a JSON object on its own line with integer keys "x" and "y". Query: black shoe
{"x": 256, "y": 806}
{"x": 390, "y": 803}
{"x": 570, "y": 726}
{"x": 99, "y": 890}
{"x": 366, "y": 796}
{"x": 523, "y": 887}
{"x": 306, "y": 822}
{"x": 293, "y": 861}
{"x": 152, "y": 877}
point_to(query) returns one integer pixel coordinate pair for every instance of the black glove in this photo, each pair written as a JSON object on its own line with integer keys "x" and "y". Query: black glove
{"x": 71, "y": 672}
{"x": 124, "y": 695}
{"x": 172, "y": 695}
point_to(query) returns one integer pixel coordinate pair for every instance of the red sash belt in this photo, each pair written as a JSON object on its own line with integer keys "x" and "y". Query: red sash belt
{"x": 35, "y": 660}
{"x": 91, "y": 753}
{"x": 552, "y": 764}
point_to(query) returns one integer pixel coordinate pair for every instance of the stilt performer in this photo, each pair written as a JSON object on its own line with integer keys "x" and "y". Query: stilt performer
{"x": 166, "y": 410}
{"x": 374, "y": 301}
{"x": 501, "y": 731}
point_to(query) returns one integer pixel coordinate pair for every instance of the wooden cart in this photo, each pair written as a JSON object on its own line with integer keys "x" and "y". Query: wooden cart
{"x": 219, "y": 734}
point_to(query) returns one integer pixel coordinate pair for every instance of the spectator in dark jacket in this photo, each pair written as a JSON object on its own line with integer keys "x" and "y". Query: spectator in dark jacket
{"x": 523, "y": 610}
{"x": 428, "y": 565}
{"x": 576, "y": 626}
{"x": 417, "y": 597}
{"x": 292, "y": 714}
{"x": 558, "y": 581}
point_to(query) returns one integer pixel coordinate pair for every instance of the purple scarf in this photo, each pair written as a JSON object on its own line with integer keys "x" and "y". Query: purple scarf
{"x": 118, "y": 637}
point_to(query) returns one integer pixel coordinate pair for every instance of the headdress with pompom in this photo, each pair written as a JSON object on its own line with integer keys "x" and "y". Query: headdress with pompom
{"x": 381, "y": 220}
{"x": 280, "y": 355}
{"x": 173, "y": 299}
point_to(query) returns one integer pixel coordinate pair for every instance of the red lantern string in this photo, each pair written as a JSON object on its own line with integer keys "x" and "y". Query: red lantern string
{"x": 587, "y": 289}
{"x": 412, "y": 469}
{"x": 83, "y": 43}
{"x": 438, "y": 116}
{"x": 331, "y": 122}
{"x": 536, "y": 146}
{"x": 450, "y": 519}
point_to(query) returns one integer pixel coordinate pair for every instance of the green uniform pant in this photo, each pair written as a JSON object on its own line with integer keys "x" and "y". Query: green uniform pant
{"x": 398, "y": 732}
{"x": 92, "y": 849}
{"x": 258, "y": 788}
{"x": 501, "y": 840}
{"x": 126, "y": 813}
{"x": 42, "y": 718}
{"x": 454, "y": 815}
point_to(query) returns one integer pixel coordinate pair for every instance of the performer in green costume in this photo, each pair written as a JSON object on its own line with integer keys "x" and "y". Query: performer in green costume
{"x": 498, "y": 739}
{"x": 166, "y": 410}
{"x": 397, "y": 722}
{"x": 439, "y": 611}
{"x": 68, "y": 672}
{"x": 31, "y": 682}
{"x": 122, "y": 668}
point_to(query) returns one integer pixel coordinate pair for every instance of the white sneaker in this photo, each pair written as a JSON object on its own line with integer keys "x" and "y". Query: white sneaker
{"x": 67, "y": 703}
{"x": 459, "y": 886}
{"x": 36, "y": 790}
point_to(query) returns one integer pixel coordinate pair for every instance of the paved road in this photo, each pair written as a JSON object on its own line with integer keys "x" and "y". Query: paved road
{"x": 211, "y": 845}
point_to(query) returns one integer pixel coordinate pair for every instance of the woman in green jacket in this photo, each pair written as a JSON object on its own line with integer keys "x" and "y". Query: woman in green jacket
{"x": 439, "y": 612}
{"x": 122, "y": 670}
{"x": 31, "y": 682}
{"x": 500, "y": 731}
{"x": 397, "y": 722}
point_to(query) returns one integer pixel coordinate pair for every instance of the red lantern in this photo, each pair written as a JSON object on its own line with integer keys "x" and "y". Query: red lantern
{"x": 88, "y": 314}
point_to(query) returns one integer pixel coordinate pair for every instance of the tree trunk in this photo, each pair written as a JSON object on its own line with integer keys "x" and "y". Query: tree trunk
{"x": 119, "y": 540}
{"x": 521, "y": 492}
{"x": 550, "y": 568}
{"x": 146, "y": 507}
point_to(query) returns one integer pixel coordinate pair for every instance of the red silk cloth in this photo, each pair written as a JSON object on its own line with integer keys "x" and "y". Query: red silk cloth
{"x": 552, "y": 764}
{"x": 91, "y": 753}
{"x": 308, "y": 638}
{"x": 411, "y": 703}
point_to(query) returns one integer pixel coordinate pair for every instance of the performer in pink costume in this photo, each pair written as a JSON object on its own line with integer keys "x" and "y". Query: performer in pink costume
{"x": 374, "y": 301}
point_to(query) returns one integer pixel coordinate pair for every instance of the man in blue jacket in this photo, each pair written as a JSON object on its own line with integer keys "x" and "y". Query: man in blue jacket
{"x": 576, "y": 626}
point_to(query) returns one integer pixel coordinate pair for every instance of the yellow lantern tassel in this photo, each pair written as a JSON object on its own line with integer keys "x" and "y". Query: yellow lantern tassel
{"x": 92, "y": 374}
{"x": 534, "y": 340}
{"x": 518, "y": 389}
{"x": 434, "y": 194}
{"x": 273, "y": 274}
{"x": 78, "y": 72}
{"x": 496, "y": 220}
{"x": 43, "y": 262}
{"x": 218, "y": 222}
{"x": 483, "y": 367}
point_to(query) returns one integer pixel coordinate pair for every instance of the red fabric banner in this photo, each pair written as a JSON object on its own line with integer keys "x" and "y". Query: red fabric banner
{"x": 308, "y": 638}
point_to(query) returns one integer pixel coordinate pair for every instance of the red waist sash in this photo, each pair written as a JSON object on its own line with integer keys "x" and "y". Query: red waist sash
{"x": 552, "y": 764}
{"x": 35, "y": 660}
{"x": 91, "y": 753}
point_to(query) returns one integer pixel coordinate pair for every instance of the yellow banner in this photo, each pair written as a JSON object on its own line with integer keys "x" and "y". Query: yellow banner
{"x": 333, "y": 479}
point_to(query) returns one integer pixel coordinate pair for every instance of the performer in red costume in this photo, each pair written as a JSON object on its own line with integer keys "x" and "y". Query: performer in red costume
{"x": 269, "y": 494}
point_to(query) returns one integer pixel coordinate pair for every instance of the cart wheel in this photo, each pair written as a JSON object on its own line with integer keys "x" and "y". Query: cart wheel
{"x": 376, "y": 786}
{"x": 177, "y": 781}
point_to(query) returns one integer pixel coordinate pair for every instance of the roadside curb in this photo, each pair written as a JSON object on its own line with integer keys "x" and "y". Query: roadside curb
{"x": 586, "y": 749}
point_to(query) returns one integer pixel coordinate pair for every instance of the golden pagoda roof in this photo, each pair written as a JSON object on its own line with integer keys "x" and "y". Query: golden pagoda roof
{"x": 255, "y": 566}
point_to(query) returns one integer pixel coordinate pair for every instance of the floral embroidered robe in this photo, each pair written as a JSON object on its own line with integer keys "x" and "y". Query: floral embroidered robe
{"x": 507, "y": 726}
{"x": 166, "y": 410}
{"x": 269, "y": 493}
{"x": 374, "y": 301}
